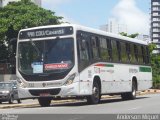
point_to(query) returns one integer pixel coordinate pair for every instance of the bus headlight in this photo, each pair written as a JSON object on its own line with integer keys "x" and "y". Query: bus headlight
{"x": 70, "y": 79}
{"x": 20, "y": 83}
{"x": 19, "y": 80}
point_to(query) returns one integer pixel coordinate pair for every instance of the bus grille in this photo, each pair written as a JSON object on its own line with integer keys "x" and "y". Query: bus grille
{"x": 49, "y": 91}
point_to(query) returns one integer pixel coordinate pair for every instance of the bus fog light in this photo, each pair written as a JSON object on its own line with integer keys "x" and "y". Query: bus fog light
{"x": 70, "y": 79}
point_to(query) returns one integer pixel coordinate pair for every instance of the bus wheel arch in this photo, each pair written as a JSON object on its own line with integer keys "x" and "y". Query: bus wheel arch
{"x": 96, "y": 91}
{"x": 131, "y": 95}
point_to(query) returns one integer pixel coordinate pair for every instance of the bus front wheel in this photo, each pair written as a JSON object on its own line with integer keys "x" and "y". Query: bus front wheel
{"x": 95, "y": 97}
{"x": 44, "y": 101}
{"x": 10, "y": 100}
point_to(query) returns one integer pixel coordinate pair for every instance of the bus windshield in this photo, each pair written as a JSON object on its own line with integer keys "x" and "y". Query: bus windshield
{"x": 45, "y": 56}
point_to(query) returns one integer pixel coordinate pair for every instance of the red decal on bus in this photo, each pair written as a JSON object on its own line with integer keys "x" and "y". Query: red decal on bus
{"x": 56, "y": 66}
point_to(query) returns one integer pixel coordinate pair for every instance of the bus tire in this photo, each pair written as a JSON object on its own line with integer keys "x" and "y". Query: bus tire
{"x": 44, "y": 101}
{"x": 18, "y": 101}
{"x": 95, "y": 97}
{"x": 130, "y": 95}
{"x": 10, "y": 100}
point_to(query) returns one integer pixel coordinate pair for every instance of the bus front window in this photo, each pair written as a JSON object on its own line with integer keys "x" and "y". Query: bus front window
{"x": 46, "y": 56}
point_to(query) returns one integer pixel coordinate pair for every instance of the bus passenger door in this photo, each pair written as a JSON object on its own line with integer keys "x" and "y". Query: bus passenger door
{"x": 83, "y": 63}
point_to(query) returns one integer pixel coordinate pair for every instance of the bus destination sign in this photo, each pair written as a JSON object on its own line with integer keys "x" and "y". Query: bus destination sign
{"x": 46, "y": 32}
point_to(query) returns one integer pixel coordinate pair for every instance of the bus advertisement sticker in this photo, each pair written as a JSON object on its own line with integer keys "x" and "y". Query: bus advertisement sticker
{"x": 56, "y": 66}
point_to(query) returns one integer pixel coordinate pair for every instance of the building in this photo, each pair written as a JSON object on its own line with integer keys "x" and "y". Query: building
{"x": 0, "y": 3}
{"x": 114, "y": 27}
{"x": 144, "y": 38}
{"x": 104, "y": 27}
{"x": 5, "y": 2}
{"x": 155, "y": 23}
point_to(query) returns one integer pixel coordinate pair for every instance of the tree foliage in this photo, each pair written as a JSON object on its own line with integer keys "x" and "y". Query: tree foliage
{"x": 19, "y": 15}
{"x": 155, "y": 63}
{"x": 131, "y": 35}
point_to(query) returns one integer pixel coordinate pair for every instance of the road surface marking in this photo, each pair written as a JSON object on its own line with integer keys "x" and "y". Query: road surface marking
{"x": 135, "y": 108}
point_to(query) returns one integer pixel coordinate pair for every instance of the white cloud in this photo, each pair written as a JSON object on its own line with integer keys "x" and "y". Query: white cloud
{"x": 127, "y": 12}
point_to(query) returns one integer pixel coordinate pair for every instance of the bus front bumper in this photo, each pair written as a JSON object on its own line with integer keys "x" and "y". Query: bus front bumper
{"x": 62, "y": 91}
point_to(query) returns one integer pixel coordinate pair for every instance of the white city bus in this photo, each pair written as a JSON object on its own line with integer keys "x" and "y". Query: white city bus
{"x": 75, "y": 61}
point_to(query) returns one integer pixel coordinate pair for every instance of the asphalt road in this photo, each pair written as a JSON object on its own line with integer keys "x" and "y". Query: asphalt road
{"x": 142, "y": 105}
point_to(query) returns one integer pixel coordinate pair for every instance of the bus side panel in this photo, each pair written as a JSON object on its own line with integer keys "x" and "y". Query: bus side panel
{"x": 106, "y": 76}
{"x": 145, "y": 81}
{"x": 121, "y": 78}
{"x": 86, "y": 81}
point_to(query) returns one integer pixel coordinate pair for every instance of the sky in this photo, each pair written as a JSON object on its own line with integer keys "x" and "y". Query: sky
{"x": 94, "y": 13}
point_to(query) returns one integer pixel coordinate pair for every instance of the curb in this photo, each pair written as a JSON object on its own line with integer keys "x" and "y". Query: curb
{"x": 150, "y": 91}
{"x": 18, "y": 105}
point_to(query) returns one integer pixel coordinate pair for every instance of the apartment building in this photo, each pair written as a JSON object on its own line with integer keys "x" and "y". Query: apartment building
{"x": 114, "y": 26}
{"x": 155, "y": 23}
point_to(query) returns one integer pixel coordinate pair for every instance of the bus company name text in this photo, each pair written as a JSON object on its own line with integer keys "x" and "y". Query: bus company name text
{"x": 42, "y": 33}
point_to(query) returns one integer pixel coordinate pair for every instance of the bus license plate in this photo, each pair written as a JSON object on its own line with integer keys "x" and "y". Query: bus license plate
{"x": 44, "y": 94}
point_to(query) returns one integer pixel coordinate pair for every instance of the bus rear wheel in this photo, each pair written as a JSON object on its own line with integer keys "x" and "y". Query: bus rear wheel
{"x": 95, "y": 97}
{"x": 130, "y": 95}
{"x": 44, "y": 101}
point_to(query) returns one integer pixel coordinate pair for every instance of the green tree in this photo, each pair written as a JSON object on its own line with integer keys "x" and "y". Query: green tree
{"x": 19, "y": 15}
{"x": 123, "y": 34}
{"x": 131, "y": 35}
{"x": 155, "y": 63}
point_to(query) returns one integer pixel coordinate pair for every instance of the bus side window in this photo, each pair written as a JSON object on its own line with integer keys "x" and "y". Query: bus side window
{"x": 147, "y": 56}
{"x": 103, "y": 49}
{"x": 83, "y": 50}
{"x": 95, "y": 47}
{"x": 118, "y": 50}
{"x": 136, "y": 53}
{"x": 143, "y": 55}
{"x": 128, "y": 51}
{"x": 140, "y": 54}
{"x": 115, "y": 51}
{"x": 84, "y": 54}
{"x": 109, "y": 47}
{"x": 133, "y": 58}
{"x": 124, "y": 55}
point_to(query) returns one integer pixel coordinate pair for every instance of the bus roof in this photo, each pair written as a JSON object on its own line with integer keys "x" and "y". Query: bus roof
{"x": 92, "y": 30}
